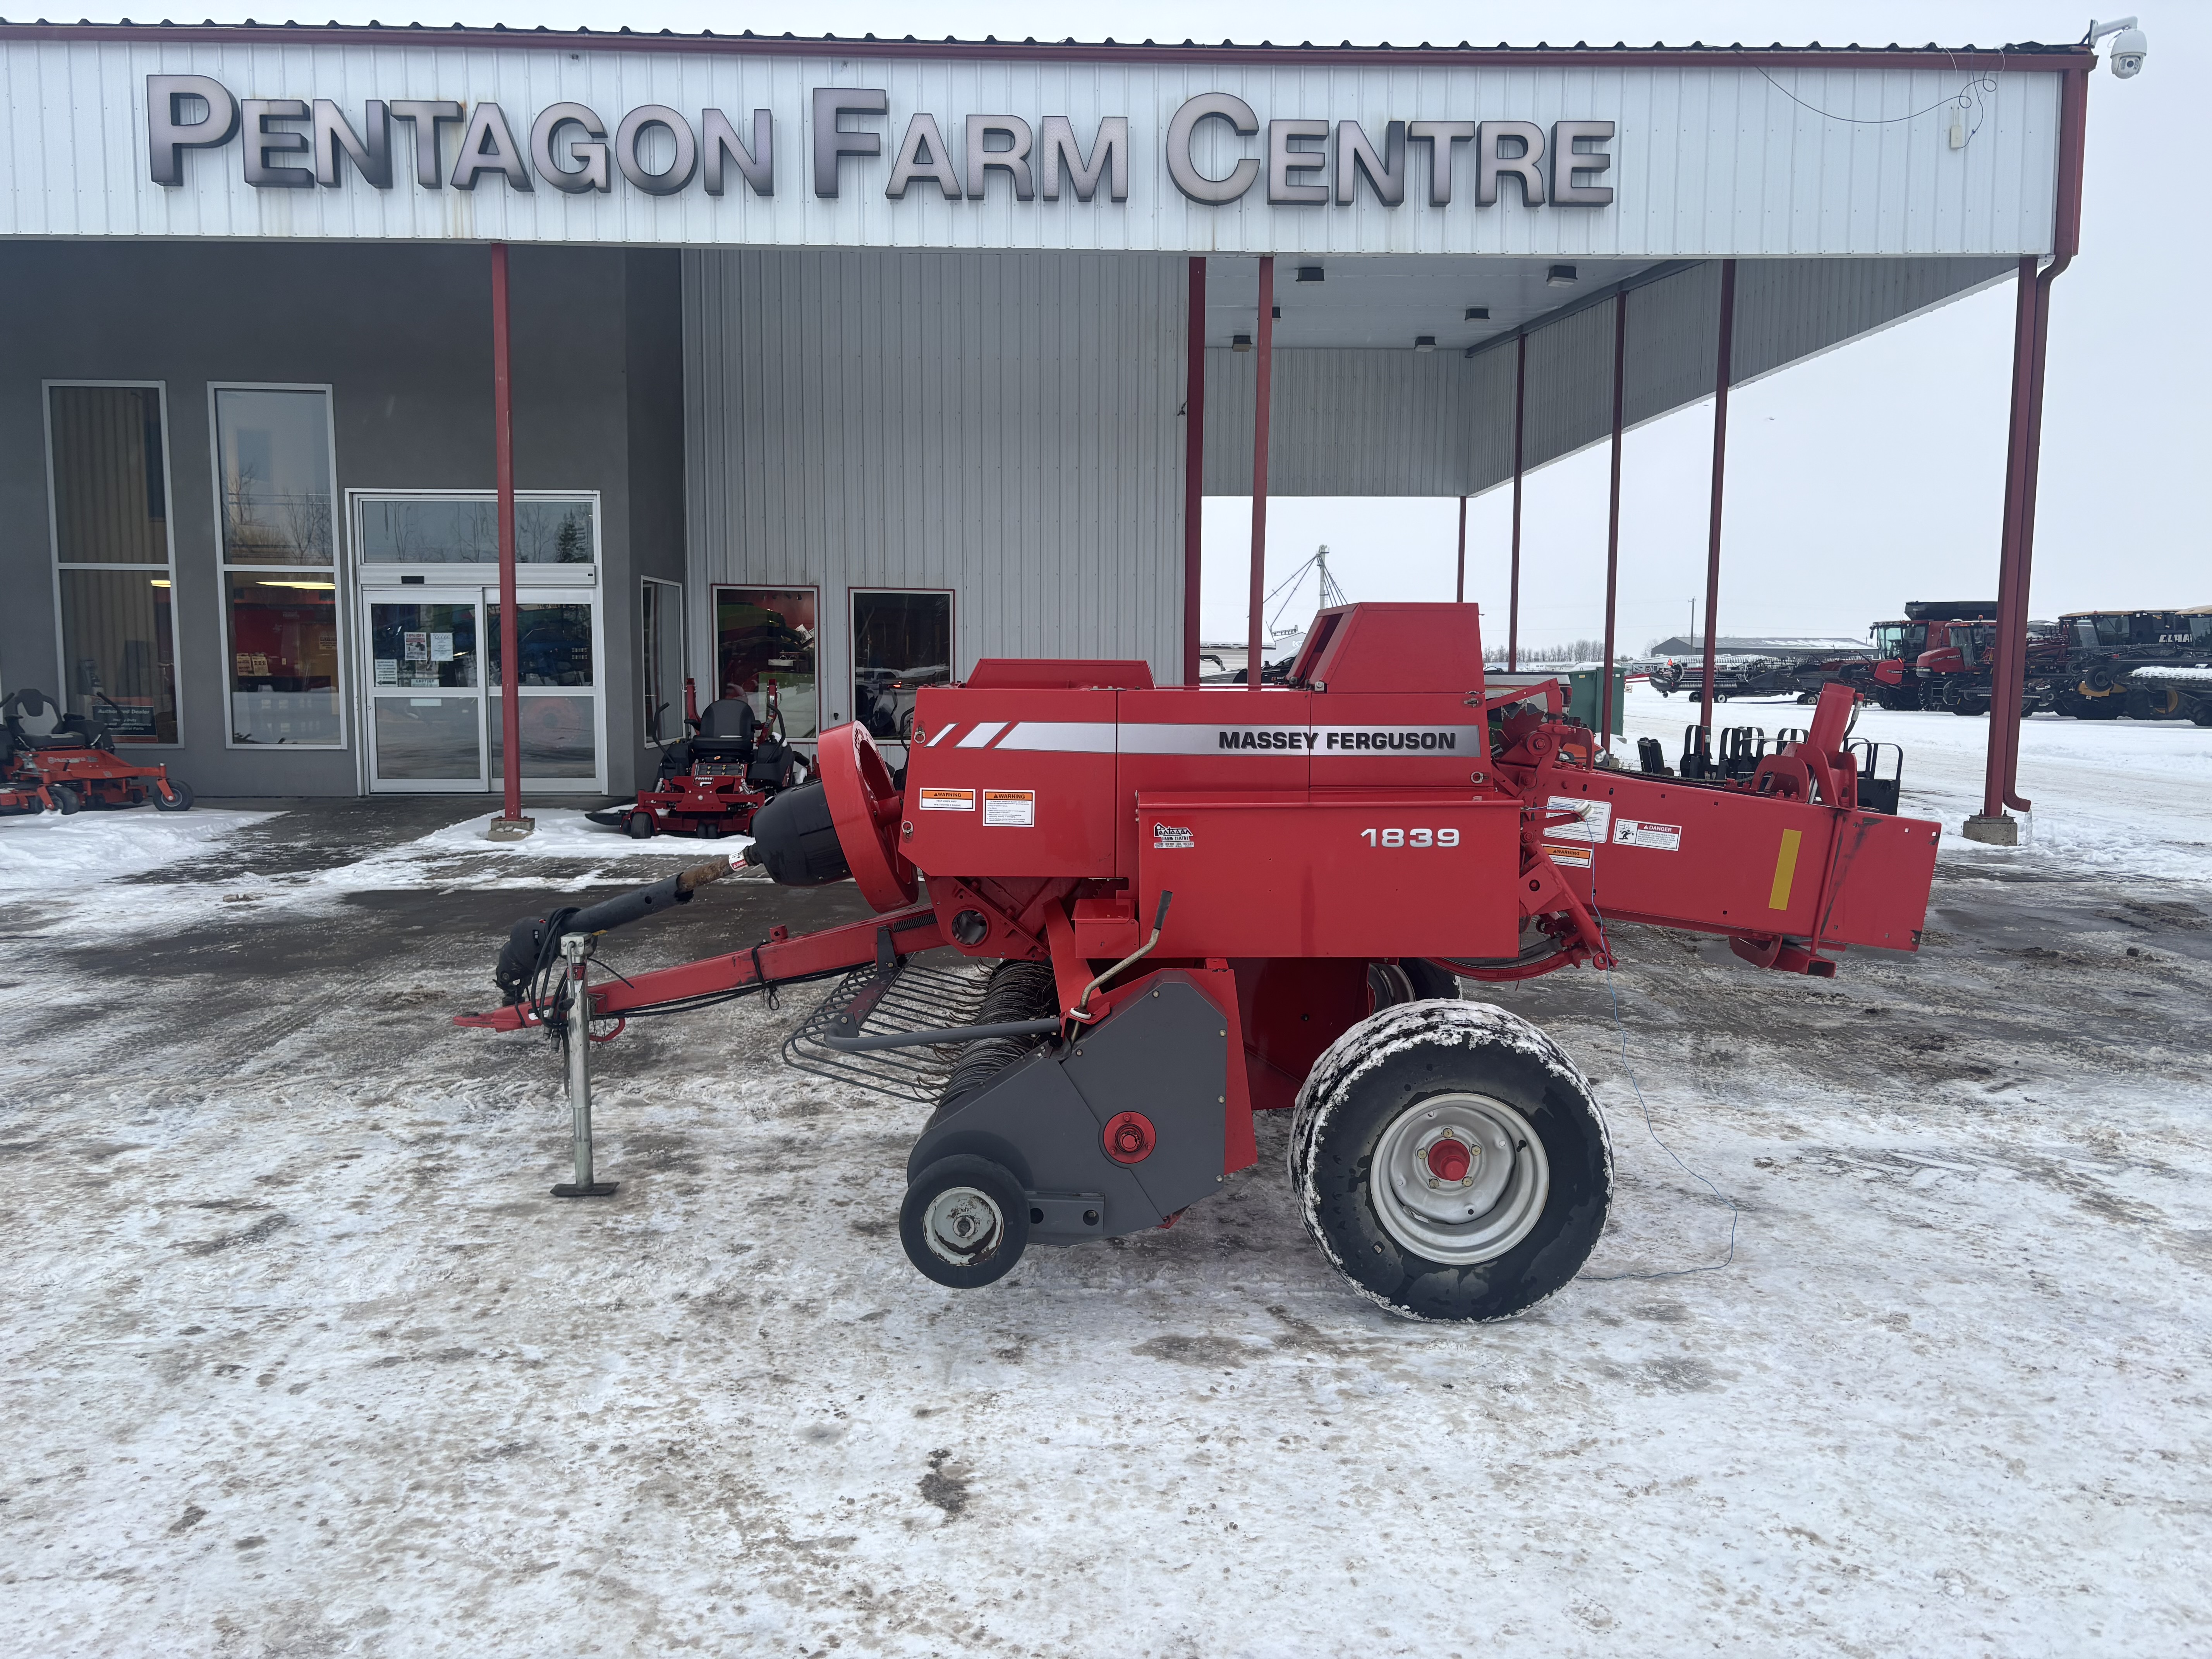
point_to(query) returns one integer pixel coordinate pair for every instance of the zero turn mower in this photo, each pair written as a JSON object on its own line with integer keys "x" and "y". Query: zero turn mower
{"x": 712, "y": 782}
{"x": 67, "y": 762}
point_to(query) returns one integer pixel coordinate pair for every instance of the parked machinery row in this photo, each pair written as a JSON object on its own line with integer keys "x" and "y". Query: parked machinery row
{"x": 2088, "y": 665}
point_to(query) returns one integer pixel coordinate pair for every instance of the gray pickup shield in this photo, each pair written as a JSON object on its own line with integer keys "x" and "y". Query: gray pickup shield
{"x": 1164, "y": 1053}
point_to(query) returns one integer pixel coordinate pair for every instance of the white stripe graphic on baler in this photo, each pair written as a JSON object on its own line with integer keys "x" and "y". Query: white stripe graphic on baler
{"x": 1061, "y": 737}
{"x": 943, "y": 734}
{"x": 1164, "y": 737}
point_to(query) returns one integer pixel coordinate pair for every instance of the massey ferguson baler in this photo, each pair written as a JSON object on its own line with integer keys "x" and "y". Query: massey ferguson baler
{"x": 1117, "y": 919}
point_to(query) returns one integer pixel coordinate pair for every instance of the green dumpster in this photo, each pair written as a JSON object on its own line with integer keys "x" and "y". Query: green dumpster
{"x": 1586, "y": 686}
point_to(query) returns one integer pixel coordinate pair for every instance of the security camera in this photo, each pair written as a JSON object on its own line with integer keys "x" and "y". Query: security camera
{"x": 2129, "y": 49}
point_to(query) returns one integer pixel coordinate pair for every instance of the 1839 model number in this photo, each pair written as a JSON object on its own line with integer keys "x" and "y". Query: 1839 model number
{"x": 1410, "y": 837}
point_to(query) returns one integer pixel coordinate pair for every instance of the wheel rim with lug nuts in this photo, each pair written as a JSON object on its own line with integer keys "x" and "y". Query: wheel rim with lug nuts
{"x": 1458, "y": 1179}
{"x": 963, "y": 1225}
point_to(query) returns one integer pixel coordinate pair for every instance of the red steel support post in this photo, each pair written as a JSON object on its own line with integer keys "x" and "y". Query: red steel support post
{"x": 1459, "y": 588}
{"x": 2016, "y": 550}
{"x": 1612, "y": 519}
{"x": 1263, "y": 343}
{"x": 1513, "y": 583}
{"x": 1720, "y": 476}
{"x": 1194, "y": 465}
{"x": 510, "y": 652}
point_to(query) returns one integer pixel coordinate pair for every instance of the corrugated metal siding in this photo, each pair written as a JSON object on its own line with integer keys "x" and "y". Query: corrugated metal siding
{"x": 1344, "y": 422}
{"x": 1357, "y": 423}
{"x": 1789, "y": 310}
{"x": 1006, "y": 426}
{"x": 1709, "y": 161}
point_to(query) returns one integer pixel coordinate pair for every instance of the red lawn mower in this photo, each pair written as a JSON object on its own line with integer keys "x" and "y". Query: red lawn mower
{"x": 66, "y": 762}
{"x": 1152, "y": 911}
{"x": 712, "y": 782}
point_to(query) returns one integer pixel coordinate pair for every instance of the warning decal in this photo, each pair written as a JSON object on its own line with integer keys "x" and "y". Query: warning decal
{"x": 1595, "y": 815}
{"x": 948, "y": 800}
{"x": 1577, "y": 857}
{"x": 1015, "y": 807}
{"x": 1642, "y": 832}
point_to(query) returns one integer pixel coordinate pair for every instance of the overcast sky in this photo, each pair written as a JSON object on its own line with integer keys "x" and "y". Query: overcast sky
{"x": 1857, "y": 481}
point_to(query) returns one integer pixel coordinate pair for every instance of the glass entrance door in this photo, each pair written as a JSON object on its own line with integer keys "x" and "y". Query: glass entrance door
{"x": 435, "y": 689}
{"x": 556, "y": 633}
{"x": 426, "y": 692}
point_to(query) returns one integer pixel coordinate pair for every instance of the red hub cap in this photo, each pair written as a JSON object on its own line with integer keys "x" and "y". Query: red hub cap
{"x": 1129, "y": 1138}
{"x": 1448, "y": 1160}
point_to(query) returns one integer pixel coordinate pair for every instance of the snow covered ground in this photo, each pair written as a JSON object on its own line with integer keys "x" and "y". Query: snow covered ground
{"x": 49, "y": 853}
{"x": 2124, "y": 798}
{"x": 302, "y": 1359}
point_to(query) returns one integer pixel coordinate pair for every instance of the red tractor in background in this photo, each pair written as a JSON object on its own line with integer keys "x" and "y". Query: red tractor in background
{"x": 1937, "y": 656}
{"x": 1152, "y": 911}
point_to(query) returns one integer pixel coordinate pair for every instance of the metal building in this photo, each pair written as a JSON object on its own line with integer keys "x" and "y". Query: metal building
{"x": 837, "y": 365}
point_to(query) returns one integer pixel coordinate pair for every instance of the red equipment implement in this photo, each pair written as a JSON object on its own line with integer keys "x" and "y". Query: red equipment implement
{"x": 65, "y": 763}
{"x": 1136, "y": 872}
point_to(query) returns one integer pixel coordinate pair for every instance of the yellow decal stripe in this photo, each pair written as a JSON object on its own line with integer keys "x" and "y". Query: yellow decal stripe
{"x": 1785, "y": 871}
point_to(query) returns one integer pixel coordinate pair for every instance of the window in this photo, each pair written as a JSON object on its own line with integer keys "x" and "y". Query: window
{"x": 108, "y": 470}
{"x": 278, "y": 527}
{"x": 464, "y": 529}
{"x": 901, "y": 641}
{"x": 660, "y": 653}
{"x": 764, "y": 643}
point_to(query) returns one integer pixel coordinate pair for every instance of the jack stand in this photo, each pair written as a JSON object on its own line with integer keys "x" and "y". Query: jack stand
{"x": 576, "y": 1035}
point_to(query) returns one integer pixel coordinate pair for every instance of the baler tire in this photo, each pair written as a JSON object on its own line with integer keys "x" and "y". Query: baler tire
{"x": 1473, "y": 1059}
{"x": 1003, "y": 1200}
{"x": 1432, "y": 982}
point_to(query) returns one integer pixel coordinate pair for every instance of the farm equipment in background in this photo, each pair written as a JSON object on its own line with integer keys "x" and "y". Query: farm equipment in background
{"x": 1743, "y": 747}
{"x": 1938, "y": 647}
{"x": 1151, "y": 912}
{"x": 2169, "y": 691}
{"x": 1802, "y": 675}
{"x": 713, "y": 782}
{"x": 2143, "y": 664}
{"x": 66, "y": 762}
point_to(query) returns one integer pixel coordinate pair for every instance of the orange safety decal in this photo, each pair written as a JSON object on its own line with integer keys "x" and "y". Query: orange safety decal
{"x": 1785, "y": 870}
{"x": 948, "y": 800}
{"x": 1579, "y": 857}
{"x": 1016, "y": 807}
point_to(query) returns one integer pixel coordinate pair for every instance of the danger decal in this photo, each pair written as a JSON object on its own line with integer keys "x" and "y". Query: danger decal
{"x": 1642, "y": 832}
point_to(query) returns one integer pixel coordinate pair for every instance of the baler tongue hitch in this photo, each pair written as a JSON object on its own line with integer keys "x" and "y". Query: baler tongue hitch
{"x": 561, "y": 945}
